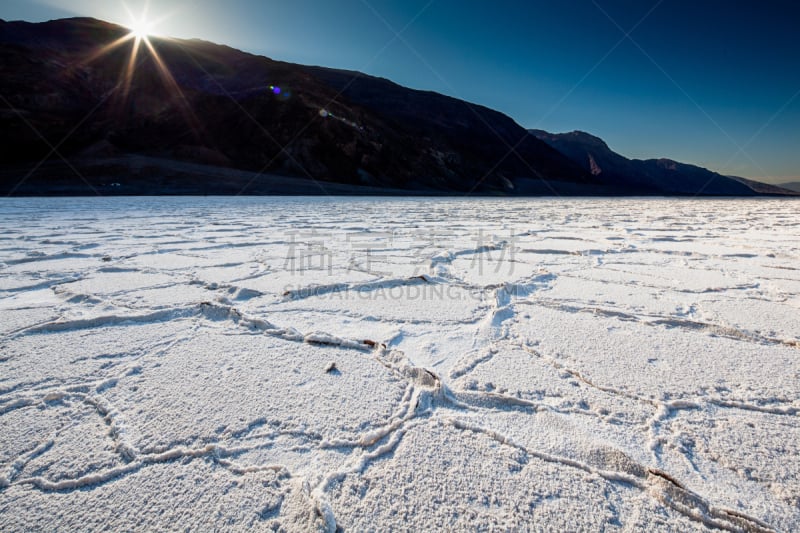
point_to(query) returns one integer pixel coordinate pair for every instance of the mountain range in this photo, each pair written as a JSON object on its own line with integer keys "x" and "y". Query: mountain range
{"x": 191, "y": 117}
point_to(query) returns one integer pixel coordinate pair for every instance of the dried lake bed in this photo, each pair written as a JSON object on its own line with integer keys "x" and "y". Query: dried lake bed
{"x": 362, "y": 364}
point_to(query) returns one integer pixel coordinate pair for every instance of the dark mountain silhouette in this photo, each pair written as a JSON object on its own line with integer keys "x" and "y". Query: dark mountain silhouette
{"x": 652, "y": 176}
{"x": 78, "y": 121}
{"x": 332, "y": 126}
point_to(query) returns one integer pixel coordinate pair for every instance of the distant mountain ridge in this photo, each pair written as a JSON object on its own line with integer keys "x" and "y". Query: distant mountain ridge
{"x": 791, "y": 185}
{"x": 229, "y": 122}
{"x": 650, "y": 176}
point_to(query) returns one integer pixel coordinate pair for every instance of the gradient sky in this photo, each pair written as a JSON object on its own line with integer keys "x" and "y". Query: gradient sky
{"x": 710, "y": 82}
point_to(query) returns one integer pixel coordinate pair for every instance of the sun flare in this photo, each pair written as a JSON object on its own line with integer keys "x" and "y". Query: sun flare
{"x": 143, "y": 53}
{"x": 141, "y": 29}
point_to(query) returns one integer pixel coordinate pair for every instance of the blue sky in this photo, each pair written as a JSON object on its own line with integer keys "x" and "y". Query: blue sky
{"x": 710, "y": 82}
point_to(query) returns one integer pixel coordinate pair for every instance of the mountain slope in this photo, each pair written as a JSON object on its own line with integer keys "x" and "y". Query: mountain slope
{"x": 653, "y": 176}
{"x": 234, "y": 110}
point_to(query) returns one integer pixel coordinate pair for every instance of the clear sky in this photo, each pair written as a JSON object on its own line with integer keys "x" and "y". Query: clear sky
{"x": 710, "y": 82}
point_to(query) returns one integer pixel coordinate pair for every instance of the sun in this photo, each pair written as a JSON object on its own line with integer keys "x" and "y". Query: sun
{"x": 141, "y": 29}
{"x": 140, "y": 38}
{"x": 141, "y": 25}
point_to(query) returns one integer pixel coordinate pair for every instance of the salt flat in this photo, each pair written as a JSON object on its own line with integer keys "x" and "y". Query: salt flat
{"x": 303, "y": 364}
